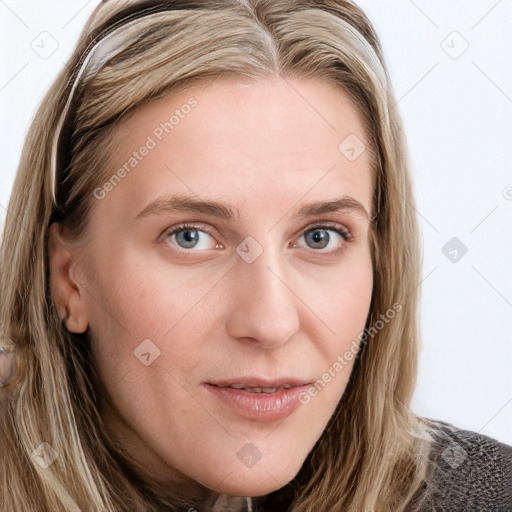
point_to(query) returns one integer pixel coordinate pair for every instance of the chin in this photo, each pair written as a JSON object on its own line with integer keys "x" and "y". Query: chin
{"x": 256, "y": 481}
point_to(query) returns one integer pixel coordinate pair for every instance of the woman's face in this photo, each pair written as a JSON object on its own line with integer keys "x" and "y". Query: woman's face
{"x": 267, "y": 286}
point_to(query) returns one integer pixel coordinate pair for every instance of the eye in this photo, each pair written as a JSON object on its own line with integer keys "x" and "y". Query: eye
{"x": 323, "y": 237}
{"x": 319, "y": 238}
{"x": 188, "y": 236}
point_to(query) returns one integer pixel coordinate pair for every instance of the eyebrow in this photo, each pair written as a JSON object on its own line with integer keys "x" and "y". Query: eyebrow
{"x": 224, "y": 211}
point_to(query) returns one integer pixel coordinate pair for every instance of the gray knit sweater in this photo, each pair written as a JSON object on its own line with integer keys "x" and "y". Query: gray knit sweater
{"x": 471, "y": 473}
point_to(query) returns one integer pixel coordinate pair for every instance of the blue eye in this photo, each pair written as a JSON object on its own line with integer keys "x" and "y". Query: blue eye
{"x": 190, "y": 237}
{"x": 320, "y": 237}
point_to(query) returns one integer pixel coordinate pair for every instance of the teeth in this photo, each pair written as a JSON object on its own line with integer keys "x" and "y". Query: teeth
{"x": 258, "y": 390}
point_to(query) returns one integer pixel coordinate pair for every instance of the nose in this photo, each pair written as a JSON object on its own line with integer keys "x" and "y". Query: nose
{"x": 264, "y": 308}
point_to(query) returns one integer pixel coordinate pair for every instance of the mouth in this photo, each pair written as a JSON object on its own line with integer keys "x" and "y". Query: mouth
{"x": 257, "y": 399}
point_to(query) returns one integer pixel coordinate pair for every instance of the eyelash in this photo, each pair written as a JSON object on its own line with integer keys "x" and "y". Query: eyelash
{"x": 341, "y": 230}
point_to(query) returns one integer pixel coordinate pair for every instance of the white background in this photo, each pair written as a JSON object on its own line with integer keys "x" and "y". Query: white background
{"x": 458, "y": 119}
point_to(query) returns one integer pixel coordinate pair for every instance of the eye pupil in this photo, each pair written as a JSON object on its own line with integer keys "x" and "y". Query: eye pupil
{"x": 189, "y": 236}
{"x": 319, "y": 237}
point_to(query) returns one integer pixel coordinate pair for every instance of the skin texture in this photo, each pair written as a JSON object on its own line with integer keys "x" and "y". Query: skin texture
{"x": 267, "y": 148}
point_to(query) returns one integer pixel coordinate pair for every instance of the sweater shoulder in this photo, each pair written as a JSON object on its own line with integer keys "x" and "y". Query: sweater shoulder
{"x": 469, "y": 471}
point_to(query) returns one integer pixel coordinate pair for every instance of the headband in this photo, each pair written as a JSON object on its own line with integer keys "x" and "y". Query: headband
{"x": 106, "y": 45}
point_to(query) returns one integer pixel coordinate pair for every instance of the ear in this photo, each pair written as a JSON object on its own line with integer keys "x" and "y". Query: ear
{"x": 66, "y": 292}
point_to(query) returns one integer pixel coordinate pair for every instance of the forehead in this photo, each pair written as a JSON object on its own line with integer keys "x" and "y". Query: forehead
{"x": 246, "y": 138}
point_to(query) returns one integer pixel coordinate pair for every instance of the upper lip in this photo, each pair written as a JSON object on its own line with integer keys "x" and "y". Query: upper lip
{"x": 256, "y": 382}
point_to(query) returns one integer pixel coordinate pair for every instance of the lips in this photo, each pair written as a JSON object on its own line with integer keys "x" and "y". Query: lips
{"x": 259, "y": 399}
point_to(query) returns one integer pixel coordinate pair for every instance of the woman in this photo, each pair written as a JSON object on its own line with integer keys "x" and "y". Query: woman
{"x": 210, "y": 276}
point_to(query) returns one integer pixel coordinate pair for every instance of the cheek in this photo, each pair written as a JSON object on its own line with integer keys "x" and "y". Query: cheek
{"x": 343, "y": 305}
{"x": 351, "y": 301}
{"x": 342, "y": 296}
{"x": 144, "y": 314}
{"x": 142, "y": 299}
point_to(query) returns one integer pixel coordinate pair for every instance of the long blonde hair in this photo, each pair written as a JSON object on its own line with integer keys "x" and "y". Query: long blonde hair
{"x": 373, "y": 455}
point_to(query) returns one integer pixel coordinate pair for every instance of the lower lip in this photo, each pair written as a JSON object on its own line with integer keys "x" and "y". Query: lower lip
{"x": 259, "y": 406}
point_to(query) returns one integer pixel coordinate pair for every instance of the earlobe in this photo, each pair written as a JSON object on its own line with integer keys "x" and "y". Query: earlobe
{"x": 77, "y": 325}
{"x": 65, "y": 289}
